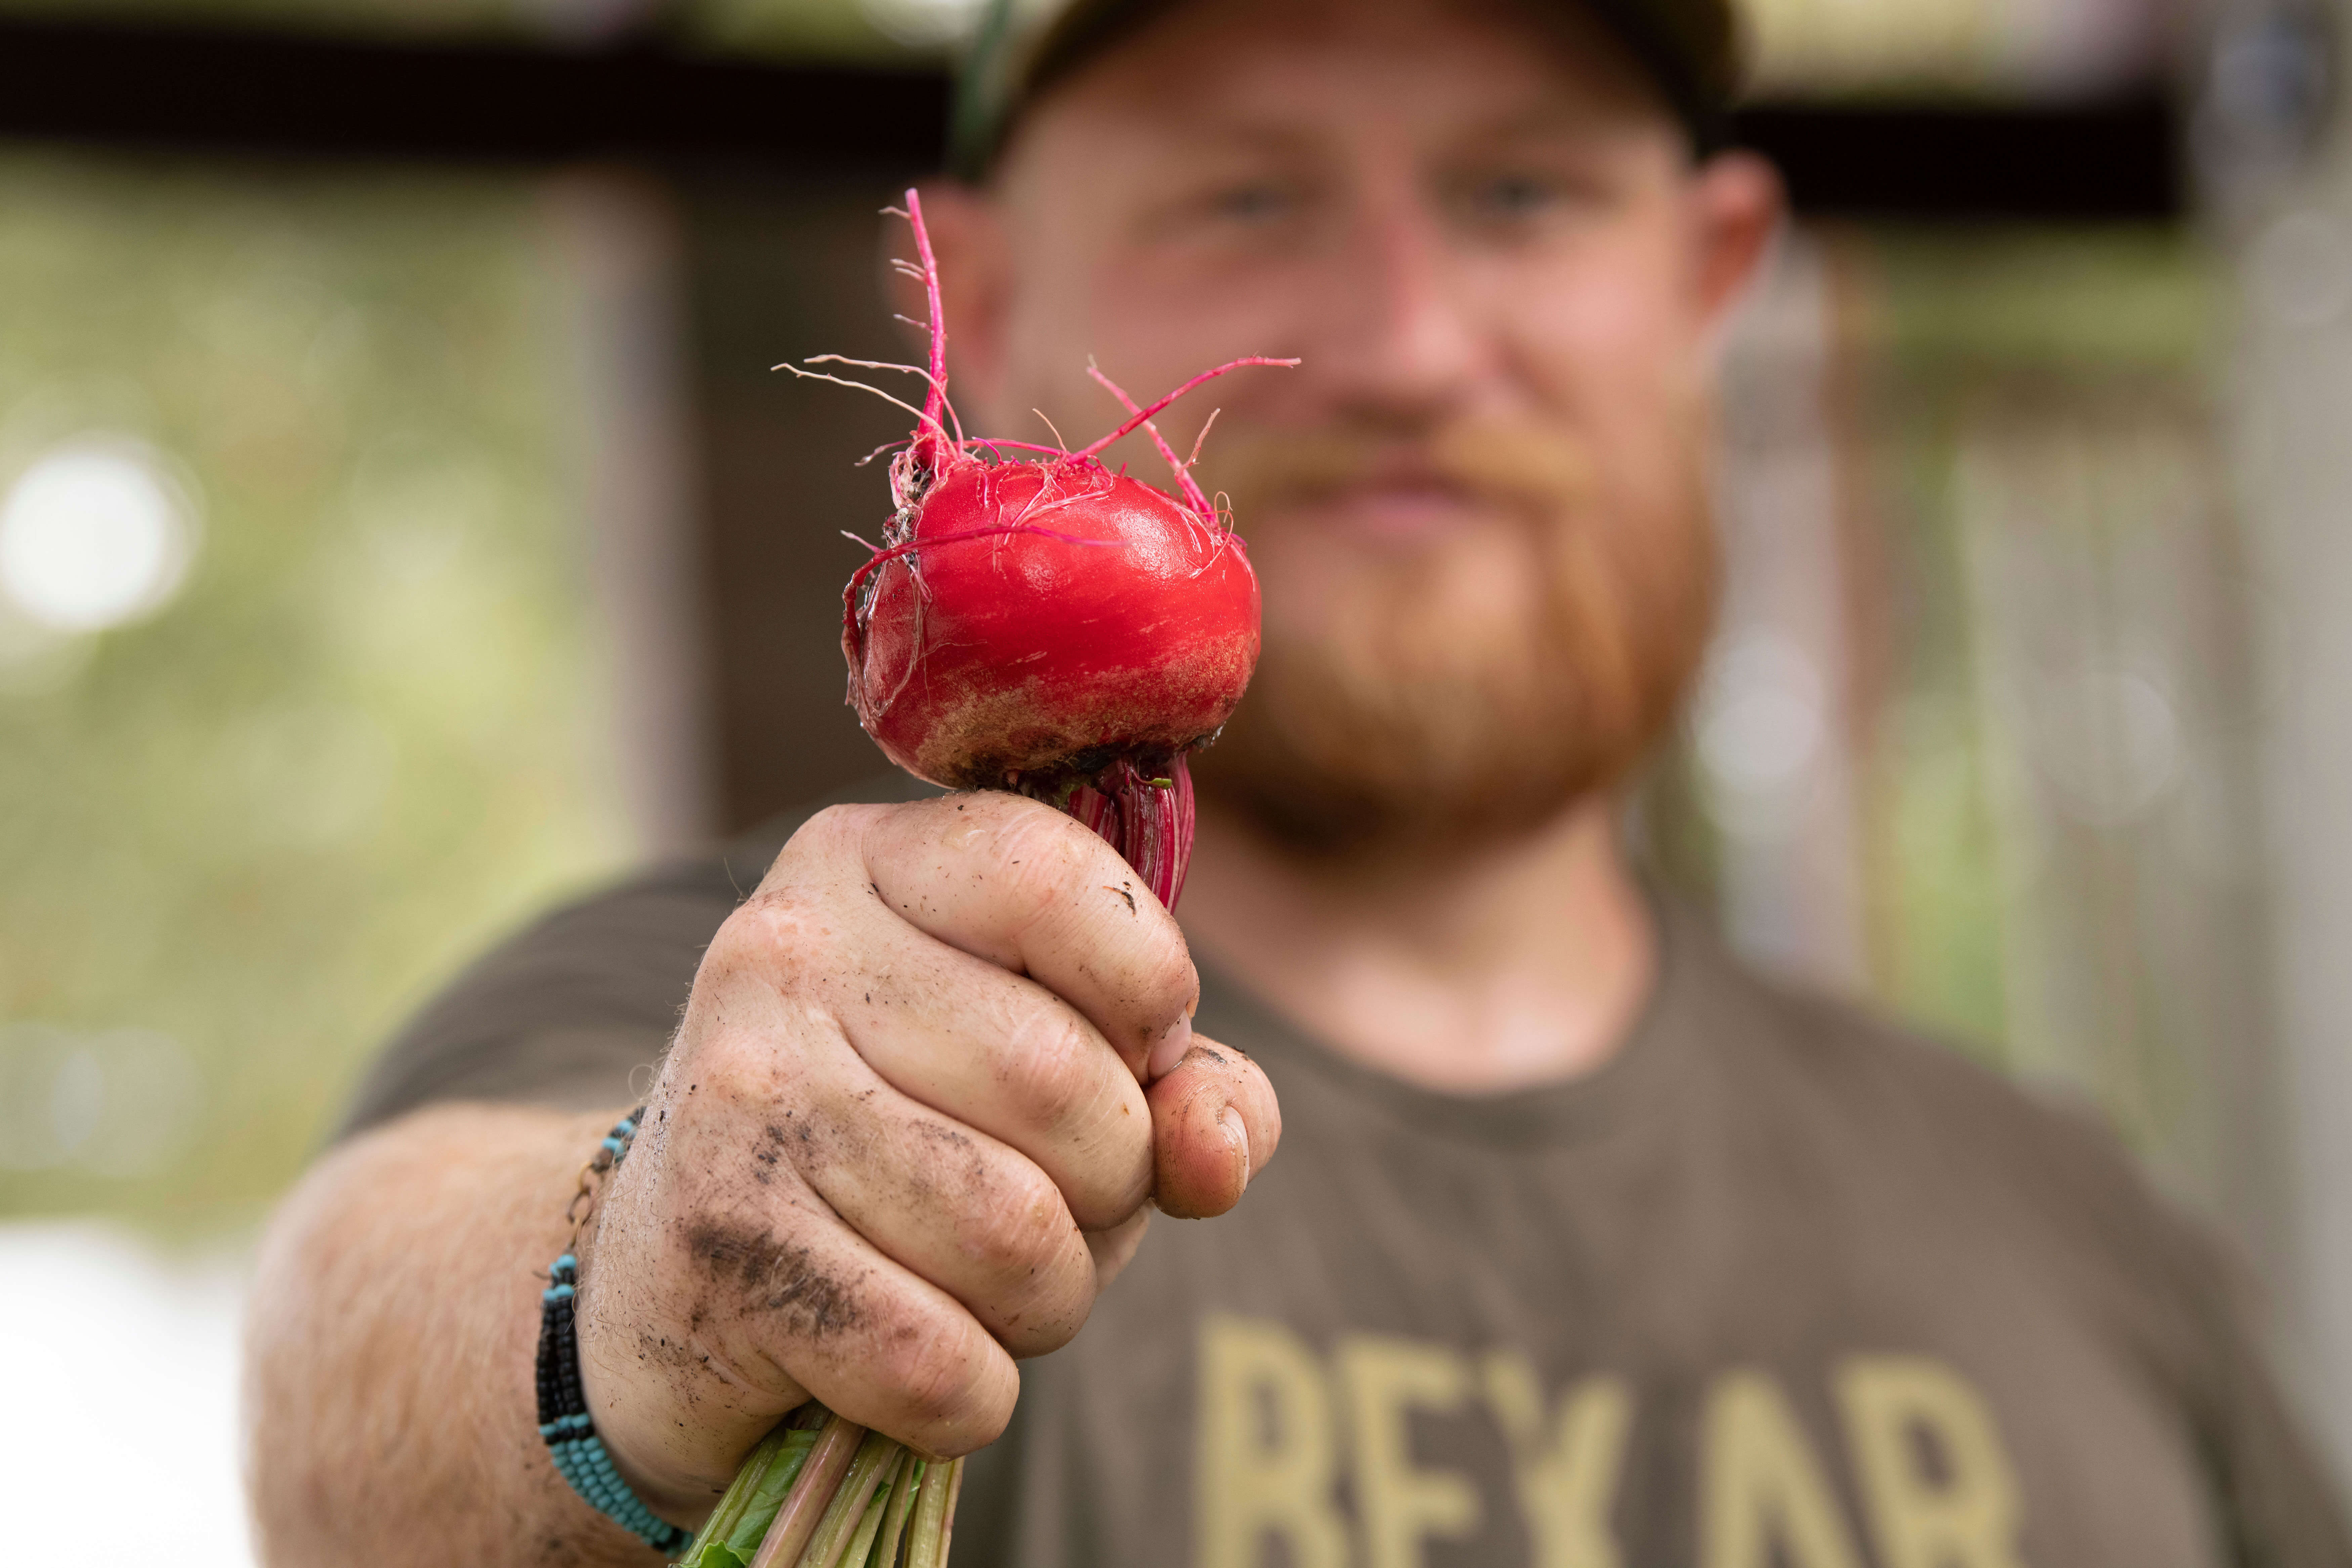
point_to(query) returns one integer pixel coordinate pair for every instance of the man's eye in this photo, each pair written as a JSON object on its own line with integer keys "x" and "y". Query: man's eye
{"x": 1251, "y": 204}
{"x": 1513, "y": 197}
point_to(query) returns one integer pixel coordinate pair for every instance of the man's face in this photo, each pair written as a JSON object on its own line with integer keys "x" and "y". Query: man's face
{"x": 1476, "y": 509}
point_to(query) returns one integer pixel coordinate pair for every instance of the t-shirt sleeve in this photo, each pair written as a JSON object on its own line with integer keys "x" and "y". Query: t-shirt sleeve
{"x": 2278, "y": 1504}
{"x": 564, "y": 1014}
{"x": 2180, "y": 1297}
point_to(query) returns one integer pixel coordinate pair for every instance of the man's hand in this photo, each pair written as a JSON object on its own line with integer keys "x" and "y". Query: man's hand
{"x": 930, "y": 1075}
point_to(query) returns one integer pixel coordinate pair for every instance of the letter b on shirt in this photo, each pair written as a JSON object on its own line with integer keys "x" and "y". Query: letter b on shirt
{"x": 1268, "y": 1448}
{"x": 1271, "y": 1440}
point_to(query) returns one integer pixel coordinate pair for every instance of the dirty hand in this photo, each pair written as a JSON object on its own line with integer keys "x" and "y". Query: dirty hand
{"x": 931, "y": 1074}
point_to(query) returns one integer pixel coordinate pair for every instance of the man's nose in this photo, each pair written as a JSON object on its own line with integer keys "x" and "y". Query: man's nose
{"x": 1400, "y": 340}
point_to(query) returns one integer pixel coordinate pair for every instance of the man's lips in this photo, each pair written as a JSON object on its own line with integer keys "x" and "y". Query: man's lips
{"x": 1394, "y": 508}
{"x": 1402, "y": 494}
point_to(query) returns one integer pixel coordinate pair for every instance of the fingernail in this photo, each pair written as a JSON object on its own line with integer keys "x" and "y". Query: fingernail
{"x": 1170, "y": 1048}
{"x": 1238, "y": 1130}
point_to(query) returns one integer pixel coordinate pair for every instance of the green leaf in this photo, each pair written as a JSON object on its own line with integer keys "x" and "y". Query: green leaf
{"x": 768, "y": 1494}
{"x": 750, "y": 1503}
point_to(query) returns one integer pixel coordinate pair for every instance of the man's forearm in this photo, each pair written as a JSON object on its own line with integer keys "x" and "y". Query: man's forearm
{"x": 394, "y": 1316}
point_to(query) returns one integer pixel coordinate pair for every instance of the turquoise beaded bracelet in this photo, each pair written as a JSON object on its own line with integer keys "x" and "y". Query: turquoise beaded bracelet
{"x": 563, "y": 1421}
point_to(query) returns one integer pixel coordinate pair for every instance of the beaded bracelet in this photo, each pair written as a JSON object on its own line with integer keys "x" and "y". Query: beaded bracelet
{"x": 563, "y": 1420}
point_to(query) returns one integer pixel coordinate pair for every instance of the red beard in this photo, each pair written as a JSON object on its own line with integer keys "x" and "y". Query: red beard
{"x": 1471, "y": 685}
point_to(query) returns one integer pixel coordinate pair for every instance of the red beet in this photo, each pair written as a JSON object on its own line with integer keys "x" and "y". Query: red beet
{"x": 1033, "y": 621}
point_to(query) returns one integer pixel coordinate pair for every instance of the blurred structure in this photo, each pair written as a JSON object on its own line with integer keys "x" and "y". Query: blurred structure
{"x": 1984, "y": 695}
{"x": 616, "y": 243}
{"x": 2011, "y": 49}
{"x": 400, "y": 523}
{"x": 1980, "y": 738}
{"x": 2275, "y": 153}
{"x": 300, "y": 691}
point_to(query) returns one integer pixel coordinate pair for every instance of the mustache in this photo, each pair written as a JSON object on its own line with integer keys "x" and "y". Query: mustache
{"x": 1511, "y": 463}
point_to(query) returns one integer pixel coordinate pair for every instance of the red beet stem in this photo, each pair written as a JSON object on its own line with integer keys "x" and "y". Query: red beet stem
{"x": 1147, "y": 818}
{"x": 1140, "y": 419}
{"x": 1135, "y": 420}
{"x": 932, "y": 448}
{"x": 813, "y": 1490}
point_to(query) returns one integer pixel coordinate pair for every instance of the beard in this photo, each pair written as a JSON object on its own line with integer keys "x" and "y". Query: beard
{"x": 1471, "y": 685}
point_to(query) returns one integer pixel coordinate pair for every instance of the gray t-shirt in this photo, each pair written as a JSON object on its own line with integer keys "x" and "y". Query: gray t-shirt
{"x": 1779, "y": 1287}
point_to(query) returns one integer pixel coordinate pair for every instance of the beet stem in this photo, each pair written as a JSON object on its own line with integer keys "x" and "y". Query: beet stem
{"x": 902, "y": 1506}
{"x": 1147, "y": 817}
{"x": 813, "y": 1492}
{"x": 877, "y": 1455}
{"x": 927, "y": 1545}
{"x": 931, "y": 458}
{"x": 947, "y": 1518}
{"x": 1136, "y": 421}
{"x": 1191, "y": 486}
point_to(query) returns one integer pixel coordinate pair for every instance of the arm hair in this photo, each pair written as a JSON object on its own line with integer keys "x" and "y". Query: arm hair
{"x": 390, "y": 1397}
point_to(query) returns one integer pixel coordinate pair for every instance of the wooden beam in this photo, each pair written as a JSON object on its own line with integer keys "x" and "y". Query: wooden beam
{"x": 281, "y": 94}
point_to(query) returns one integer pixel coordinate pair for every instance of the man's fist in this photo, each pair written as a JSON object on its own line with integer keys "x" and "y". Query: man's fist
{"x": 931, "y": 1074}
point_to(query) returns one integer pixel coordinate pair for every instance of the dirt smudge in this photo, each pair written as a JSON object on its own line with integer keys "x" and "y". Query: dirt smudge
{"x": 780, "y": 1277}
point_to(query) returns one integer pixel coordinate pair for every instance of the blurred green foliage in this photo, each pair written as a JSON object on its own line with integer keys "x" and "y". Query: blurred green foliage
{"x": 2089, "y": 303}
{"x": 1950, "y": 331}
{"x": 2048, "y": 811}
{"x": 2060, "y": 809}
{"x": 370, "y": 733}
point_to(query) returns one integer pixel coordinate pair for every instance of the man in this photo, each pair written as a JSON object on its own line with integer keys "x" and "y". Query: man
{"x": 1585, "y": 1249}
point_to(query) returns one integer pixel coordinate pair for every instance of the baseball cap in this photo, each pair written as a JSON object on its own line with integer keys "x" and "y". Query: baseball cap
{"x": 1692, "y": 49}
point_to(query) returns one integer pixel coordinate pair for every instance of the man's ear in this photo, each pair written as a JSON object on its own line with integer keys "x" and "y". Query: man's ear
{"x": 1738, "y": 203}
{"x": 968, "y": 238}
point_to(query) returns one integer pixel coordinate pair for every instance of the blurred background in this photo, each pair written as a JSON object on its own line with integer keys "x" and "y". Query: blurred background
{"x": 400, "y": 527}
